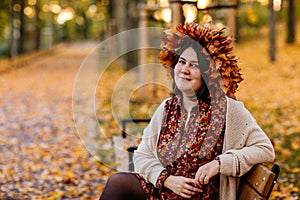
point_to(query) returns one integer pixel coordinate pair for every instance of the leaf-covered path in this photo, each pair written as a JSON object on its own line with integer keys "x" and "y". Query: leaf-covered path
{"x": 41, "y": 154}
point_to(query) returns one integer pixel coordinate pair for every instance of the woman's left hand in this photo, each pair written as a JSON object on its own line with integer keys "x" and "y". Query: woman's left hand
{"x": 207, "y": 171}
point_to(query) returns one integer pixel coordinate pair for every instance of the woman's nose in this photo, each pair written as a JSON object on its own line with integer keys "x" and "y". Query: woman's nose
{"x": 185, "y": 68}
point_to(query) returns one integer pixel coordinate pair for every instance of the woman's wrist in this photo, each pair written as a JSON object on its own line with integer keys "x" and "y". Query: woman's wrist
{"x": 161, "y": 179}
{"x": 168, "y": 181}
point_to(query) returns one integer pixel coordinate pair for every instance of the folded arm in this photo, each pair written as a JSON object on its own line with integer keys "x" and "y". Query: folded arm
{"x": 245, "y": 145}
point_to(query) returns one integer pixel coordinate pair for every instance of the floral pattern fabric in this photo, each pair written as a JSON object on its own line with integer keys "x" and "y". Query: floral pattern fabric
{"x": 186, "y": 142}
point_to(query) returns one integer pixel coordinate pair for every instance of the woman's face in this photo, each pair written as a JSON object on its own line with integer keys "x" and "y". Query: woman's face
{"x": 187, "y": 73}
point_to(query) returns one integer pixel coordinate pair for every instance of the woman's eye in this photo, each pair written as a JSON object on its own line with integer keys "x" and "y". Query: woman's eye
{"x": 194, "y": 65}
{"x": 181, "y": 61}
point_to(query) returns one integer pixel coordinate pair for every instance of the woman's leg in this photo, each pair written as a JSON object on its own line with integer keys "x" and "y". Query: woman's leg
{"x": 123, "y": 186}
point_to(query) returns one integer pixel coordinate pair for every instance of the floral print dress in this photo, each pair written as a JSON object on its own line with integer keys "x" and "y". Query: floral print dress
{"x": 186, "y": 142}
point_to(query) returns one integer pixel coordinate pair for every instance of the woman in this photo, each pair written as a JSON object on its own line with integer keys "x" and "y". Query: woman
{"x": 200, "y": 140}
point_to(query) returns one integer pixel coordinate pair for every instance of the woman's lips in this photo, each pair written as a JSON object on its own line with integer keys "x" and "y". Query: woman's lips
{"x": 184, "y": 78}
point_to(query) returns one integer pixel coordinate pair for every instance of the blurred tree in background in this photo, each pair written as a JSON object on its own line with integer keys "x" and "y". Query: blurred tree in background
{"x": 4, "y": 26}
{"x": 253, "y": 15}
{"x": 28, "y": 25}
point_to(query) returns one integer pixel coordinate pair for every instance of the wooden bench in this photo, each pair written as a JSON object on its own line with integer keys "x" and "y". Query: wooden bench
{"x": 257, "y": 184}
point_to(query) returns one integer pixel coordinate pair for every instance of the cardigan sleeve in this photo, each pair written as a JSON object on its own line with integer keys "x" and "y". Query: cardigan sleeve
{"x": 245, "y": 142}
{"x": 146, "y": 162}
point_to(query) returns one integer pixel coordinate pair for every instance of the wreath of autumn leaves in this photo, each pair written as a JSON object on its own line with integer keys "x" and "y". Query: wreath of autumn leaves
{"x": 216, "y": 44}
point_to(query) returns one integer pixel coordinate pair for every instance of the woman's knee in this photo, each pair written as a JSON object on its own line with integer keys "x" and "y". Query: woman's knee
{"x": 121, "y": 186}
{"x": 122, "y": 180}
{"x": 118, "y": 179}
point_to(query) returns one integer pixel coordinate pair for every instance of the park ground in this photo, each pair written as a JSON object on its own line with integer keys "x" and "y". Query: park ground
{"x": 43, "y": 157}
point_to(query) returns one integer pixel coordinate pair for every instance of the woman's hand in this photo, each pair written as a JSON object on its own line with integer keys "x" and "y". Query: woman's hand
{"x": 207, "y": 171}
{"x": 182, "y": 186}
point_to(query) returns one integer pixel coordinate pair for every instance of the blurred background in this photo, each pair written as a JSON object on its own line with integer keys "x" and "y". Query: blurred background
{"x": 43, "y": 44}
{"x": 30, "y": 25}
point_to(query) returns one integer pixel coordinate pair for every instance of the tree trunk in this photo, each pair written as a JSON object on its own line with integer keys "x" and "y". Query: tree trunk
{"x": 272, "y": 50}
{"x": 37, "y": 27}
{"x": 12, "y": 43}
{"x": 177, "y": 13}
{"x": 232, "y": 19}
{"x": 22, "y": 27}
{"x": 291, "y": 22}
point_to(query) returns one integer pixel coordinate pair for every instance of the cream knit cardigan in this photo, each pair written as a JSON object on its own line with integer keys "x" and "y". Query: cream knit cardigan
{"x": 245, "y": 144}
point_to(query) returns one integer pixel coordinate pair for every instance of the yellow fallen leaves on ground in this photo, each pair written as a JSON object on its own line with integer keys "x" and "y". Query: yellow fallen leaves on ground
{"x": 41, "y": 154}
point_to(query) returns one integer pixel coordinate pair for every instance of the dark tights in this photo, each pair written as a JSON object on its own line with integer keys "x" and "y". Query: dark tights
{"x": 123, "y": 186}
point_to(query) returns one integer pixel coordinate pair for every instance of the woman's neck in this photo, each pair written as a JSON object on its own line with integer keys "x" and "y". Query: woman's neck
{"x": 188, "y": 103}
